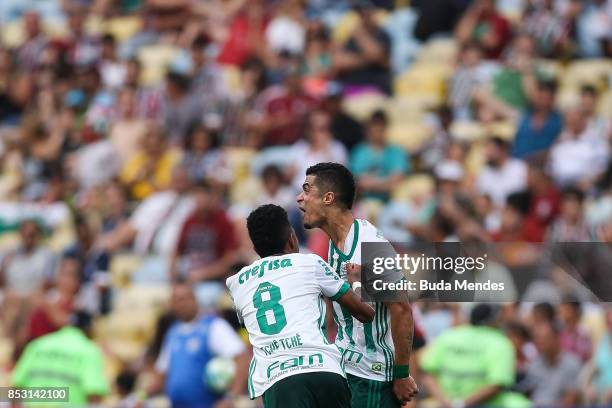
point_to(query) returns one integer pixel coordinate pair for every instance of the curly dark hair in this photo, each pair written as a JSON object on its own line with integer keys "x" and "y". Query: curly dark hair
{"x": 269, "y": 229}
{"x": 336, "y": 178}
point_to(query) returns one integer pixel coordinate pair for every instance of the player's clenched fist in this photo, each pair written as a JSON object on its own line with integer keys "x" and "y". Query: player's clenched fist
{"x": 405, "y": 389}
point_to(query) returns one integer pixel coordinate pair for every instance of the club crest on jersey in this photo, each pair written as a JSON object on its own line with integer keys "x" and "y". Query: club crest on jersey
{"x": 377, "y": 366}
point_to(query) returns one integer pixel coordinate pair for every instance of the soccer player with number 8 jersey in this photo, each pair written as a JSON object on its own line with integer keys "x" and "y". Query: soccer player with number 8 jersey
{"x": 280, "y": 300}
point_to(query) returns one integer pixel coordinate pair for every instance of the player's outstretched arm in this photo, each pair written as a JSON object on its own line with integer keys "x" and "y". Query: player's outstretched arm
{"x": 360, "y": 310}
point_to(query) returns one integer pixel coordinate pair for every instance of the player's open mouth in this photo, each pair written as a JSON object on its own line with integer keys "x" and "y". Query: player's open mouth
{"x": 302, "y": 210}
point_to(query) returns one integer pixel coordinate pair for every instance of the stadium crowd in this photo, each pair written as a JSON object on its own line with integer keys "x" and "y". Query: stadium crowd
{"x": 136, "y": 135}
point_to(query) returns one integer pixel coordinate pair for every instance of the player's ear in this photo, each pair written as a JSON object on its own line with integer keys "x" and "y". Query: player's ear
{"x": 328, "y": 198}
{"x": 293, "y": 246}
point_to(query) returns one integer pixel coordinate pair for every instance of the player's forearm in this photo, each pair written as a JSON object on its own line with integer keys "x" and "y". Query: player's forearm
{"x": 402, "y": 329}
{"x": 239, "y": 384}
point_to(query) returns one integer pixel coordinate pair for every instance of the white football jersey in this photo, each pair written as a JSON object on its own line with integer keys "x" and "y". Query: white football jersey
{"x": 280, "y": 300}
{"x": 367, "y": 348}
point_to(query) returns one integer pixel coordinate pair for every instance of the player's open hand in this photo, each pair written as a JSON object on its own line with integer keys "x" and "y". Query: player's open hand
{"x": 405, "y": 389}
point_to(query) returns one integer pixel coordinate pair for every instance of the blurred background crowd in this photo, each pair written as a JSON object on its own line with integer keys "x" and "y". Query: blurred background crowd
{"x": 136, "y": 135}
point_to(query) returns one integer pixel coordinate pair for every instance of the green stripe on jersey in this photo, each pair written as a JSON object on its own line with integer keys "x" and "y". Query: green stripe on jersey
{"x": 379, "y": 334}
{"x": 369, "y": 338}
{"x": 250, "y": 381}
{"x": 340, "y": 333}
{"x": 385, "y": 321}
{"x": 321, "y": 322}
{"x": 348, "y": 323}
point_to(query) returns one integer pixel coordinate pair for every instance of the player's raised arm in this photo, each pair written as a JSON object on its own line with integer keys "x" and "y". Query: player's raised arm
{"x": 360, "y": 310}
{"x": 338, "y": 290}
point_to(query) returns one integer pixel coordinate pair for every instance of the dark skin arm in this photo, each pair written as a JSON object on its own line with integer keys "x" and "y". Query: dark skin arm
{"x": 360, "y": 310}
{"x": 402, "y": 329}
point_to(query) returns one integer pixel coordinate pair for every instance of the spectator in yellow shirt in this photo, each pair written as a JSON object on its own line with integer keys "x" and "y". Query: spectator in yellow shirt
{"x": 150, "y": 168}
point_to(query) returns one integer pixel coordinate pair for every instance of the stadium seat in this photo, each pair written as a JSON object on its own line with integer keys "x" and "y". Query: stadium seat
{"x": 245, "y": 191}
{"x": 426, "y": 80}
{"x": 11, "y": 34}
{"x": 239, "y": 159}
{"x": 438, "y": 51}
{"x": 414, "y": 188}
{"x": 361, "y": 106}
{"x": 408, "y": 108}
{"x": 470, "y": 131}
{"x": 409, "y": 135}
{"x": 9, "y": 240}
{"x": 123, "y": 28}
{"x": 605, "y": 104}
{"x": 343, "y": 29}
{"x": 593, "y": 71}
{"x": 141, "y": 298}
{"x": 121, "y": 268}
{"x": 155, "y": 60}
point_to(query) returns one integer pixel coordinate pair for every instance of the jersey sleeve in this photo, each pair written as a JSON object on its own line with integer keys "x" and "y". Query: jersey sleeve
{"x": 330, "y": 284}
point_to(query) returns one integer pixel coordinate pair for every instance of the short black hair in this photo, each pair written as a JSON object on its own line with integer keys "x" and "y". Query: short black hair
{"x": 181, "y": 81}
{"x": 484, "y": 314}
{"x": 574, "y": 303}
{"x": 379, "y": 117}
{"x": 549, "y": 85}
{"x": 573, "y": 192}
{"x": 547, "y": 310}
{"x": 269, "y": 229}
{"x": 272, "y": 170}
{"x": 336, "y": 178}
{"x": 499, "y": 142}
{"x": 588, "y": 90}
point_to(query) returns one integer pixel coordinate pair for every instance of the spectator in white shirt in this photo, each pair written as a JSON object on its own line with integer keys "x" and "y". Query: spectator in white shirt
{"x": 502, "y": 174}
{"x": 581, "y": 154}
{"x": 318, "y": 146}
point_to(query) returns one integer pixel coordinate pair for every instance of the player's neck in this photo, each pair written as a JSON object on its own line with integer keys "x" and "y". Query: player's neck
{"x": 338, "y": 227}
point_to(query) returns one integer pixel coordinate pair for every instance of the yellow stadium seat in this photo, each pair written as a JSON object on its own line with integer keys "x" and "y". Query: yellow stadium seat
{"x": 9, "y": 240}
{"x": 121, "y": 268}
{"x": 142, "y": 299}
{"x": 155, "y": 60}
{"x": 63, "y": 235}
{"x": 362, "y": 106}
{"x": 592, "y": 71}
{"x": 427, "y": 80}
{"x": 409, "y": 135}
{"x": 605, "y": 104}
{"x": 11, "y": 34}
{"x": 408, "y": 108}
{"x": 414, "y": 188}
{"x": 568, "y": 97}
{"x": 505, "y": 130}
{"x": 123, "y": 28}
{"x": 347, "y": 23}
{"x": 440, "y": 50}
{"x": 246, "y": 191}
{"x": 239, "y": 159}
{"x": 231, "y": 77}
{"x": 475, "y": 158}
